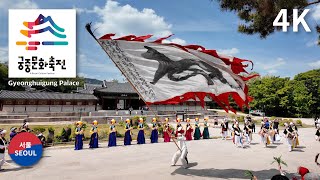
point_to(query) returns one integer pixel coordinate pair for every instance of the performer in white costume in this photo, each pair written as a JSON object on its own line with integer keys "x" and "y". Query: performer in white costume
{"x": 3, "y": 146}
{"x": 183, "y": 151}
{"x": 289, "y": 134}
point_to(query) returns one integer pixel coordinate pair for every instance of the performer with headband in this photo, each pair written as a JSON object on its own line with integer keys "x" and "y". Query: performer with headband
{"x": 248, "y": 131}
{"x": 264, "y": 134}
{"x": 183, "y": 151}
{"x": 189, "y": 130}
{"x": 79, "y": 136}
{"x": 94, "y": 135}
{"x": 296, "y": 134}
{"x": 289, "y": 134}
{"x": 166, "y": 131}
{"x": 112, "y": 134}
{"x": 154, "y": 132}
{"x": 141, "y": 139}
{"x": 13, "y": 132}
{"x": 197, "y": 133}
{"x": 127, "y": 135}
{"x": 317, "y": 135}
{"x": 224, "y": 129}
{"x": 238, "y": 136}
{"x": 3, "y": 146}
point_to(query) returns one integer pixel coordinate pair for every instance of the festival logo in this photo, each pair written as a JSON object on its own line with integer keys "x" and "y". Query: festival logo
{"x": 25, "y": 149}
{"x": 42, "y": 43}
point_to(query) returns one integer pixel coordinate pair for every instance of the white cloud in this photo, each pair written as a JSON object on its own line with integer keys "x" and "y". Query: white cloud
{"x": 315, "y": 64}
{"x": 175, "y": 40}
{"x": 231, "y": 51}
{"x": 18, "y": 4}
{"x": 3, "y": 54}
{"x": 316, "y": 12}
{"x": 312, "y": 43}
{"x": 86, "y": 63}
{"x": 272, "y": 71}
{"x": 125, "y": 20}
{"x": 271, "y": 66}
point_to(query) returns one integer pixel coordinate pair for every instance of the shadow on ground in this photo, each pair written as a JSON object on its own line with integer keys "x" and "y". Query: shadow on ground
{"x": 224, "y": 173}
{"x": 15, "y": 169}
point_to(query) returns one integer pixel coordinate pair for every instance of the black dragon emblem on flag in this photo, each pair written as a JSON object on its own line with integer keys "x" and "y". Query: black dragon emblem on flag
{"x": 173, "y": 68}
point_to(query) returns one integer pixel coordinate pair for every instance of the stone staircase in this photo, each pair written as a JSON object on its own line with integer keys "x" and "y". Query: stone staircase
{"x": 12, "y": 118}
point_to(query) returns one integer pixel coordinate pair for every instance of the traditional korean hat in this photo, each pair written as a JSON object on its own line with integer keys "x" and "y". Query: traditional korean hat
{"x": 140, "y": 119}
{"x": 113, "y": 121}
{"x": 188, "y": 119}
{"x": 166, "y": 119}
{"x": 95, "y": 122}
{"x": 3, "y": 132}
{"x": 291, "y": 123}
{"x": 79, "y": 123}
{"x": 206, "y": 118}
{"x": 13, "y": 128}
{"x": 197, "y": 119}
{"x": 127, "y": 120}
{"x": 285, "y": 124}
{"x": 154, "y": 119}
{"x": 178, "y": 120}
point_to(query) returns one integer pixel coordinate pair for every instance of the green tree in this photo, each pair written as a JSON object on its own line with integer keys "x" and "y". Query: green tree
{"x": 258, "y": 15}
{"x": 302, "y": 99}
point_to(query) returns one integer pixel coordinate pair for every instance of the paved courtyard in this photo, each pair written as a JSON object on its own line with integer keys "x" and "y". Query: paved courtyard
{"x": 209, "y": 159}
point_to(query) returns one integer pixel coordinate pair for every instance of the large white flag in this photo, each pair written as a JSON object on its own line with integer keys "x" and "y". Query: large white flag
{"x": 170, "y": 73}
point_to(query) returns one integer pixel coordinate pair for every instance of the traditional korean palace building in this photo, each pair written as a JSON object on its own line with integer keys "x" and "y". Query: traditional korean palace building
{"x": 91, "y": 97}
{"x": 29, "y": 101}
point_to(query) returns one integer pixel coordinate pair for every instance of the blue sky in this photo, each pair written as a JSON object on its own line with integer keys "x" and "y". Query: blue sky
{"x": 192, "y": 22}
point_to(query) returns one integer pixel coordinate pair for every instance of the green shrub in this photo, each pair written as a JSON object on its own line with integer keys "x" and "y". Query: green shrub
{"x": 240, "y": 118}
{"x": 39, "y": 129}
{"x": 135, "y": 120}
{"x": 233, "y": 116}
{"x": 122, "y": 123}
{"x": 281, "y": 123}
{"x": 273, "y": 118}
{"x": 299, "y": 122}
{"x": 50, "y": 129}
{"x": 160, "y": 130}
{"x": 119, "y": 135}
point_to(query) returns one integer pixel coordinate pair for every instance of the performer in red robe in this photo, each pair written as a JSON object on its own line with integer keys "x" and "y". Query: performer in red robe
{"x": 189, "y": 131}
{"x": 166, "y": 131}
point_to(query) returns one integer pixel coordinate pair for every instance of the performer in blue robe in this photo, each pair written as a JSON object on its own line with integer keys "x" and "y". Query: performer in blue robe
{"x": 112, "y": 134}
{"x": 154, "y": 132}
{"x": 127, "y": 135}
{"x": 94, "y": 135}
{"x": 141, "y": 138}
{"x": 79, "y": 136}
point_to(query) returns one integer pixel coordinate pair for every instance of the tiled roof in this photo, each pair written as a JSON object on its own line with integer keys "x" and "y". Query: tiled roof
{"x": 4, "y": 94}
{"x": 115, "y": 87}
{"x": 89, "y": 88}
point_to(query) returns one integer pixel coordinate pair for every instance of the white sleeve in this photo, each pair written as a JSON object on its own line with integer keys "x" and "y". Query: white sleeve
{"x": 2, "y": 146}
